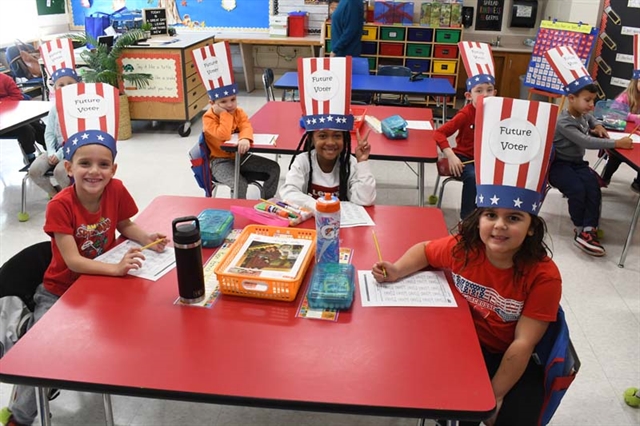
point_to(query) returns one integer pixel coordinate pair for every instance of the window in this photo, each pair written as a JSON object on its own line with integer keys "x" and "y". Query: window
{"x": 19, "y": 22}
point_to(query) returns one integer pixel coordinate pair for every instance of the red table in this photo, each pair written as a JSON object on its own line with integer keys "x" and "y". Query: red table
{"x": 282, "y": 118}
{"x": 632, "y": 158}
{"x": 125, "y": 336}
{"x": 14, "y": 114}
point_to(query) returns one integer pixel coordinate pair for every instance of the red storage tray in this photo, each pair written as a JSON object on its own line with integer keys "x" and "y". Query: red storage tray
{"x": 392, "y": 49}
{"x": 445, "y": 51}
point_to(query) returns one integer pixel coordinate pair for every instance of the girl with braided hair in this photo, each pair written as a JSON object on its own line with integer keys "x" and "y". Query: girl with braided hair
{"x": 324, "y": 164}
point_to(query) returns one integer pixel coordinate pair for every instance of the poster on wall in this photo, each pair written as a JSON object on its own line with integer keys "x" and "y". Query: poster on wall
{"x": 581, "y": 37}
{"x": 614, "y": 50}
{"x": 166, "y": 85}
{"x": 50, "y": 7}
{"x": 241, "y": 15}
{"x": 489, "y": 15}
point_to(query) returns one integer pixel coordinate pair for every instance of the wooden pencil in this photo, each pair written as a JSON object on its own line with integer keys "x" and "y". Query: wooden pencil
{"x": 375, "y": 241}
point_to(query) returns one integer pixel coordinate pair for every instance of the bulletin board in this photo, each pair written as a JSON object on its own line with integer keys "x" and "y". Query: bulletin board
{"x": 581, "y": 37}
{"x": 238, "y": 15}
{"x": 614, "y": 50}
{"x": 49, "y": 7}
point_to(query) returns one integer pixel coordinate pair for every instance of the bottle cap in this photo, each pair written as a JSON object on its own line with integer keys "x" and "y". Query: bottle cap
{"x": 328, "y": 204}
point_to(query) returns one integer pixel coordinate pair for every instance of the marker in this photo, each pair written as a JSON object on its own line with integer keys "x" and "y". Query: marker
{"x": 274, "y": 210}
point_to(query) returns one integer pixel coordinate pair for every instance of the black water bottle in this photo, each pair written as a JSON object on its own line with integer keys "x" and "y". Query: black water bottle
{"x": 188, "y": 249}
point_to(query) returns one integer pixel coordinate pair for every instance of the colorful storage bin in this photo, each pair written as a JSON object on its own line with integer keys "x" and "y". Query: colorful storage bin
{"x": 418, "y": 65}
{"x": 444, "y": 67}
{"x": 369, "y": 32}
{"x": 447, "y": 36}
{"x": 369, "y": 48}
{"x": 420, "y": 34}
{"x": 422, "y": 50}
{"x": 445, "y": 51}
{"x": 391, "y": 49}
{"x": 392, "y": 33}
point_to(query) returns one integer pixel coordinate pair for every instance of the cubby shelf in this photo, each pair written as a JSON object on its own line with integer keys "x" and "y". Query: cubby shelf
{"x": 431, "y": 51}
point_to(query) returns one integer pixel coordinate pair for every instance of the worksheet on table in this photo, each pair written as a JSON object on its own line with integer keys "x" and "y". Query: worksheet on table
{"x": 619, "y": 135}
{"x": 153, "y": 267}
{"x": 354, "y": 215}
{"x": 426, "y": 288}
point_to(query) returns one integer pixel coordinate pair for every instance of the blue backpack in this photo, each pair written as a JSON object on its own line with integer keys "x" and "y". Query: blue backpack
{"x": 199, "y": 156}
{"x": 561, "y": 364}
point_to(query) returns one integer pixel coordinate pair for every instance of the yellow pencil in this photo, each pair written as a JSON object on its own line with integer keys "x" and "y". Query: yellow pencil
{"x": 634, "y": 130}
{"x": 468, "y": 162}
{"x": 158, "y": 241}
{"x": 375, "y": 241}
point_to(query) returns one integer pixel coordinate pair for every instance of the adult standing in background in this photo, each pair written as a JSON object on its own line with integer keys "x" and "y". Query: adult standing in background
{"x": 346, "y": 28}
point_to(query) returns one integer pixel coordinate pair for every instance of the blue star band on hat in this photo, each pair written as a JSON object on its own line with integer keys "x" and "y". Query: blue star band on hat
{"x": 64, "y": 72}
{"x": 223, "y": 92}
{"x": 636, "y": 74}
{"x": 88, "y": 137}
{"x": 480, "y": 79}
{"x": 328, "y": 122}
{"x": 509, "y": 197}
{"x": 577, "y": 85}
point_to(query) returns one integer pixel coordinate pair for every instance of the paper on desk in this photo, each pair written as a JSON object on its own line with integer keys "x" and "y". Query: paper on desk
{"x": 619, "y": 135}
{"x": 153, "y": 267}
{"x": 427, "y": 288}
{"x": 419, "y": 125}
{"x": 352, "y": 215}
{"x": 258, "y": 139}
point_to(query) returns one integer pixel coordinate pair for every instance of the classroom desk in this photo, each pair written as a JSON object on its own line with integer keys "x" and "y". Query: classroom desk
{"x": 14, "y": 114}
{"x": 246, "y": 41}
{"x": 282, "y": 118}
{"x": 125, "y": 336}
{"x": 434, "y": 87}
{"x": 632, "y": 158}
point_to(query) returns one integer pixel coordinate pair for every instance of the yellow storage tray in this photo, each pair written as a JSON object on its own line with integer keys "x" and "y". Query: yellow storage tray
{"x": 444, "y": 67}
{"x": 369, "y": 32}
{"x": 264, "y": 287}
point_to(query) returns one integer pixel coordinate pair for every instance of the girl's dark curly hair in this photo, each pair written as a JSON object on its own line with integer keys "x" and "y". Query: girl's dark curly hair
{"x": 533, "y": 248}
{"x": 306, "y": 142}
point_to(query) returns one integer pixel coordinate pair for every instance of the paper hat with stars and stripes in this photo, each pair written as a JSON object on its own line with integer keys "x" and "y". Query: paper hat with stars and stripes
{"x": 636, "y": 56}
{"x": 215, "y": 69}
{"x": 513, "y": 140}
{"x": 569, "y": 68}
{"x": 88, "y": 114}
{"x": 325, "y": 93}
{"x": 59, "y": 59}
{"x": 478, "y": 62}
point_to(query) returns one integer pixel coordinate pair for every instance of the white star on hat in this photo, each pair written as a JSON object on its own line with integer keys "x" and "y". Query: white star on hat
{"x": 534, "y": 206}
{"x": 321, "y": 119}
{"x": 75, "y": 141}
{"x": 330, "y": 118}
{"x": 100, "y": 138}
{"x": 217, "y": 95}
{"x": 85, "y": 136}
{"x": 494, "y": 199}
{"x": 517, "y": 202}
{"x": 68, "y": 150}
{"x": 477, "y": 78}
{"x": 313, "y": 120}
{"x": 481, "y": 198}
{"x": 226, "y": 92}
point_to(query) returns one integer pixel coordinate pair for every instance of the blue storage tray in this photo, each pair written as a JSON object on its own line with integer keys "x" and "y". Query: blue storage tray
{"x": 332, "y": 286}
{"x": 215, "y": 225}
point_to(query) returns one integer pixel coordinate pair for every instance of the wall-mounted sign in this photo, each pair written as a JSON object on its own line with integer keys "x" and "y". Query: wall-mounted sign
{"x": 158, "y": 20}
{"x": 489, "y": 16}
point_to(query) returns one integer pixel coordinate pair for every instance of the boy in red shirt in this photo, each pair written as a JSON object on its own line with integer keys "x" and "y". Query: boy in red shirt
{"x": 83, "y": 218}
{"x": 481, "y": 82}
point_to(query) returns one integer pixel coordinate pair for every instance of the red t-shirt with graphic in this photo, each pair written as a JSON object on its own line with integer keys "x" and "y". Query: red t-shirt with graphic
{"x": 497, "y": 302}
{"x": 94, "y": 233}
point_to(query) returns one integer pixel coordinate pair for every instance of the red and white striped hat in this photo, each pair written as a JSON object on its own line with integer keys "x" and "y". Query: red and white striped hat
{"x": 59, "y": 59}
{"x": 513, "y": 140}
{"x": 569, "y": 68}
{"x": 636, "y": 56}
{"x": 88, "y": 114}
{"x": 478, "y": 62}
{"x": 215, "y": 69}
{"x": 325, "y": 93}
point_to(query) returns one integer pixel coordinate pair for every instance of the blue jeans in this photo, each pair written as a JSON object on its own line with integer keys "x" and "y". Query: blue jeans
{"x": 468, "y": 177}
{"x": 580, "y": 185}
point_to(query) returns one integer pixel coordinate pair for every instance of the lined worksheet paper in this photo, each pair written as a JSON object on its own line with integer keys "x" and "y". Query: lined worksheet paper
{"x": 153, "y": 267}
{"x": 354, "y": 215}
{"x": 427, "y": 288}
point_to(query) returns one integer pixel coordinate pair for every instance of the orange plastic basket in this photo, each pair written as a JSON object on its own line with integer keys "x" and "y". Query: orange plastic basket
{"x": 358, "y": 117}
{"x": 263, "y": 287}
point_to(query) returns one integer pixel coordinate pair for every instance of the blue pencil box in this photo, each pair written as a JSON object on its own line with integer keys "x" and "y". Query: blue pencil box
{"x": 332, "y": 286}
{"x": 215, "y": 225}
{"x": 395, "y": 127}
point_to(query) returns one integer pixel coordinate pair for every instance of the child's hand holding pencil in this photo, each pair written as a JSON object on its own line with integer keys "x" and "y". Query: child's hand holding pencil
{"x": 157, "y": 243}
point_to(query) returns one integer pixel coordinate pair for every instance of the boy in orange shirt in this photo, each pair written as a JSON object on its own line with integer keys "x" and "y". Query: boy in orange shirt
{"x": 225, "y": 118}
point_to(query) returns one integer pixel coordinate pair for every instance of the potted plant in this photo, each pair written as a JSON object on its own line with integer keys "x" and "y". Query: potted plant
{"x": 104, "y": 66}
{"x": 146, "y": 27}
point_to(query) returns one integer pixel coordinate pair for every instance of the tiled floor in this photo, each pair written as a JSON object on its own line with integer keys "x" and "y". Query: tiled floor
{"x": 602, "y": 301}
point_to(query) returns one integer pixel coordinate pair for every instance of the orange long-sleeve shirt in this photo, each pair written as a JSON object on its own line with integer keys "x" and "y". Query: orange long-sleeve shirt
{"x": 218, "y": 130}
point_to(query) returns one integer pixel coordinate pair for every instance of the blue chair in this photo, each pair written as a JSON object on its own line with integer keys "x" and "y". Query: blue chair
{"x": 360, "y": 66}
{"x": 12, "y": 54}
{"x": 392, "y": 99}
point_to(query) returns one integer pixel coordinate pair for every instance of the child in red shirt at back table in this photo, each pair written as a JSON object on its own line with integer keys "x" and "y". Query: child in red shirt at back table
{"x": 481, "y": 82}
{"x": 82, "y": 220}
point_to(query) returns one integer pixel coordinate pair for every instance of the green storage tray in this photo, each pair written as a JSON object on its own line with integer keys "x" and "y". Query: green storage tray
{"x": 419, "y": 50}
{"x": 392, "y": 33}
{"x": 327, "y": 46}
{"x": 372, "y": 64}
{"x": 447, "y": 36}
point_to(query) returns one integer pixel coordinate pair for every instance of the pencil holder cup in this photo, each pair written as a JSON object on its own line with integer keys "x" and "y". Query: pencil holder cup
{"x": 188, "y": 249}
